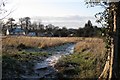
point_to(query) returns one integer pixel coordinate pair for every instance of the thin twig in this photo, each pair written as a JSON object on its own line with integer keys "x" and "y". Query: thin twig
{"x": 6, "y": 15}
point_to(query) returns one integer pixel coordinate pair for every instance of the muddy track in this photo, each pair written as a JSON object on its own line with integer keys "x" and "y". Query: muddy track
{"x": 45, "y": 69}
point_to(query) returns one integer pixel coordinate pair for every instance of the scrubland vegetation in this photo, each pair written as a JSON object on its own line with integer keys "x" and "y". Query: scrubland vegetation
{"x": 14, "y": 58}
{"x": 87, "y": 61}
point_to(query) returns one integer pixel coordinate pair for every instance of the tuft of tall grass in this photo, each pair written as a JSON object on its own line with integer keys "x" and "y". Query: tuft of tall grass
{"x": 94, "y": 45}
{"x": 87, "y": 61}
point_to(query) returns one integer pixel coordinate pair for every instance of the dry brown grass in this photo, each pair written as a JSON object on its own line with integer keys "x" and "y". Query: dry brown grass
{"x": 89, "y": 52}
{"x": 37, "y": 41}
{"x": 87, "y": 61}
{"x": 94, "y": 45}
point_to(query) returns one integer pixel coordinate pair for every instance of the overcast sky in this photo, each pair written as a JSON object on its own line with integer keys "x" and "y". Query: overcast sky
{"x": 54, "y": 9}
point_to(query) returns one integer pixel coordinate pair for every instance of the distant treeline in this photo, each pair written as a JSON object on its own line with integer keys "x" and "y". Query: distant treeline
{"x": 52, "y": 31}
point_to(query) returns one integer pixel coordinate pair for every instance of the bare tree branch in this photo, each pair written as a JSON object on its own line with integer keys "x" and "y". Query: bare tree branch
{"x": 3, "y": 10}
{"x": 6, "y": 15}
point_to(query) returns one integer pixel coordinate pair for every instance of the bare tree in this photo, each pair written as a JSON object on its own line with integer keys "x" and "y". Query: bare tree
{"x": 27, "y": 22}
{"x": 10, "y": 22}
{"x": 3, "y": 11}
{"x": 21, "y": 20}
{"x": 111, "y": 16}
{"x": 2, "y": 5}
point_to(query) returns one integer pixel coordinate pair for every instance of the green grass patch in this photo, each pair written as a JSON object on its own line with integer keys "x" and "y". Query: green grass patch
{"x": 13, "y": 65}
{"x": 82, "y": 65}
{"x": 40, "y": 54}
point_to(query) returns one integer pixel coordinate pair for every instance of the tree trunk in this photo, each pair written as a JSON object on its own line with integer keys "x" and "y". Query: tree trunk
{"x": 116, "y": 61}
{"x": 118, "y": 36}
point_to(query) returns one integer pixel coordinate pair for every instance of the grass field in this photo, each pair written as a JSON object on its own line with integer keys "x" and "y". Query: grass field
{"x": 38, "y": 41}
{"x": 86, "y": 62}
{"x": 14, "y": 59}
{"x": 12, "y": 42}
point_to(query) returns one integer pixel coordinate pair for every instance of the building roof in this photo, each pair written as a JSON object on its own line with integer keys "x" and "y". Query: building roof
{"x": 17, "y": 29}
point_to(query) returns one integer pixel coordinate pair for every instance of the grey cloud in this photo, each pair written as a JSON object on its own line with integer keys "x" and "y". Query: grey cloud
{"x": 68, "y": 21}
